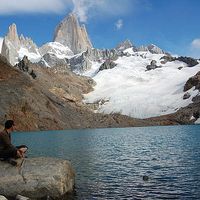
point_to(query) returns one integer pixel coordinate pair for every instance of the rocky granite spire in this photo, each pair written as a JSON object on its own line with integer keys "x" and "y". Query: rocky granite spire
{"x": 71, "y": 34}
{"x": 12, "y": 34}
{"x": 11, "y": 44}
{"x": 15, "y": 47}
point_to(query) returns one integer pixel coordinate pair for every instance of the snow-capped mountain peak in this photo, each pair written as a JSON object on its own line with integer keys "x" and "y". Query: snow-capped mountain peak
{"x": 56, "y": 48}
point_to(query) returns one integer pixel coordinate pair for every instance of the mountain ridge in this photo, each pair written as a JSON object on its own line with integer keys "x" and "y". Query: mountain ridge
{"x": 134, "y": 70}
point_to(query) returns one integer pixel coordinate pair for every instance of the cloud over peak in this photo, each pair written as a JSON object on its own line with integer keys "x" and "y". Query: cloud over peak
{"x": 119, "y": 24}
{"x": 84, "y": 9}
{"x": 196, "y": 43}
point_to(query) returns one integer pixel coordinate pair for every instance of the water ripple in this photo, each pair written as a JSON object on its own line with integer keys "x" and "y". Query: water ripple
{"x": 111, "y": 163}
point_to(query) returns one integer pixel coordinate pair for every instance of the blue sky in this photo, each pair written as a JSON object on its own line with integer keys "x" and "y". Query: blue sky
{"x": 173, "y": 25}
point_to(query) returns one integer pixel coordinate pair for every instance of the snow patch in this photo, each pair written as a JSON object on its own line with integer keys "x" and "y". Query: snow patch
{"x": 197, "y": 121}
{"x": 33, "y": 57}
{"x": 59, "y": 50}
{"x": 134, "y": 91}
{"x": 1, "y": 43}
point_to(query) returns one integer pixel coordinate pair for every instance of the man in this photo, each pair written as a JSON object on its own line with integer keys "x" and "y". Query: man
{"x": 7, "y": 150}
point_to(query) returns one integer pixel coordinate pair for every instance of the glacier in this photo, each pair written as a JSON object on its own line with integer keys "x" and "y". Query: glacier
{"x": 131, "y": 90}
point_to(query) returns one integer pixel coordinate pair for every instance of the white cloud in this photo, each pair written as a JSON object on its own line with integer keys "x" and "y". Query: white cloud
{"x": 1, "y": 42}
{"x": 81, "y": 8}
{"x": 194, "y": 48}
{"x": 84, "y": 9}
{"x": 196, "y": 43}
{"x": 119, "y": 24}
{"x": 33, "y": 6}
{"x": 88, "y": 8}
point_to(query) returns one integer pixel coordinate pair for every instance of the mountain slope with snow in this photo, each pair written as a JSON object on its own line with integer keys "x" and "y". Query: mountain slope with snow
{"x": 130, "y": 89}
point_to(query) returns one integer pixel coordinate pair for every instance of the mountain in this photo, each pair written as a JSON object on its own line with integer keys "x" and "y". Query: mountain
{"x": 51, "y": 99}
{"x": 71, "y": 34}
{"x": 15, "y": 47}
{"x": 136, "y": 82}
{"x": 54, "y": 54}
{"x": 125, "y": 45}
{"x": 145, "y": 85}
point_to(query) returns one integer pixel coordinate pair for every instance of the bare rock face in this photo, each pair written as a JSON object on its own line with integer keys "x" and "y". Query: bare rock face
{"x": 125, "y": 45}
{"x": 154, "y": 49}
{"x": 11, "y": 44}
{"x": 71, "y": 34}
{"x": 14, "y": 47}
{"x": 108, "y": 64}
{"x": 193, "y": 81}
{"x": 151, "y": 48}
{"x": 37, "y": 178}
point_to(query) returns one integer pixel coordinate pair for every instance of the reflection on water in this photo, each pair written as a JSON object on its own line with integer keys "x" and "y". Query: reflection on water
{"x": 111, "y": 163}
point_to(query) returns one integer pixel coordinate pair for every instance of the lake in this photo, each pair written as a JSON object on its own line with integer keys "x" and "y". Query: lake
{"x": 110, "y": 163}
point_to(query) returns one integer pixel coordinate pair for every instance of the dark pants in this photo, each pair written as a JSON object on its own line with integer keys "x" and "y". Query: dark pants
{"x": 10, "y": 153}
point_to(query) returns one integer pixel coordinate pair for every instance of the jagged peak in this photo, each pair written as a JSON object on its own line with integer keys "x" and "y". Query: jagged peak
{"x": 124, "y": 45}
{"x": 71, "y": 34}
{"x": 155, "y": 49}
{"x": 22, "y": 37}
{"x": 71, "y": 18}
{"x": 12, "y": 34}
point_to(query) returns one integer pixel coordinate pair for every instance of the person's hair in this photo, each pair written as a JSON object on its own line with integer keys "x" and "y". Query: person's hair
{"x": 9, "y": 124}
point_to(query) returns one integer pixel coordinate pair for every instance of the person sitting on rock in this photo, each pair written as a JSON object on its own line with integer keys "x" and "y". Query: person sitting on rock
{"x": 7, "y": 150}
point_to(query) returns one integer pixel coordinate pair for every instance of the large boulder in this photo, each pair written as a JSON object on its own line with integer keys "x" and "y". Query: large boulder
{"x": 37, "y": 178}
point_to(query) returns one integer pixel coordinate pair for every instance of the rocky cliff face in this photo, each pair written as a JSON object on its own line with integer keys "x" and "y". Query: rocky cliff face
{"x": 151, "y": 48}
{"x": 15, "y": 47}
{"x": 71, "y": 34}
{"x": 125, "y": 45}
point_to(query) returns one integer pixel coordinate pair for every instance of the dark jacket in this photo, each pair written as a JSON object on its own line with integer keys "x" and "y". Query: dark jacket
{"x": 6, "y": 148}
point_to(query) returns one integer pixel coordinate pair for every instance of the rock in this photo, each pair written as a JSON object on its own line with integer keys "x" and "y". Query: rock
{"x": 154, "y": 49}
{"x": 20, "y": 197}
{"x": 37, "y": 178}
{"x": 108, "y": 64}
{"x": 24, "y": 65}
{"x": 196, "y": 99}
{"x": 189, "y": 61}
{"x": 152, "y": 65}
{"x": 153, "y": 62}
{"x": 12, "y": 44}
{"x": 179, "y": 68}
{"x": 151, "y": 48}
{"x": 80, "y": 63}
{"x": 186, "y": 95}
{"x": 193, "y": 81}
{"x": 51, "y": 60}
{"x": 196, "y": 114}
{"x": 2, "y": 197}
{"x": 142, "y": 48}
{"x": 145, "y": 178}
{"x": 166, "y": 58}
{"x": 71, "y": 34}
{"x": 55, "y": 48}
{"x": 125, "y": 45}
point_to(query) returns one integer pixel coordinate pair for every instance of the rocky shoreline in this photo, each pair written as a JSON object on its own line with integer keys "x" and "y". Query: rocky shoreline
{"x": 36, "y": 178}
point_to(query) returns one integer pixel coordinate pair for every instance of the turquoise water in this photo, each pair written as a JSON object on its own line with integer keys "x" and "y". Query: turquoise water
{"x": 111, "y": 163}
